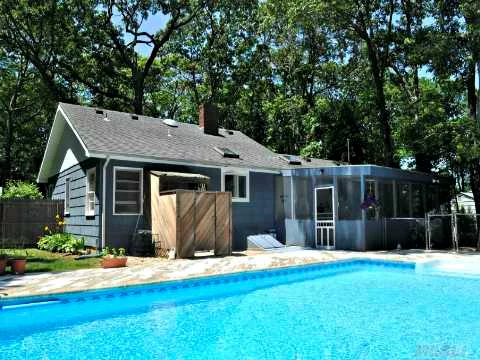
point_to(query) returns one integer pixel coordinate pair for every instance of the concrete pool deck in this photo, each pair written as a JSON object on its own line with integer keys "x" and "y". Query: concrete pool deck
{"x": 155, "y": 270}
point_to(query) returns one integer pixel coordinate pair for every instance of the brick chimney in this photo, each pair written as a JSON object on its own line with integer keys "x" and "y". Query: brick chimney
{"x": 208, "y": 118}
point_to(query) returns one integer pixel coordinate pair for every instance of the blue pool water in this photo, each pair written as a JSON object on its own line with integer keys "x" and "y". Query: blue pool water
{"x": 352, "y": 310}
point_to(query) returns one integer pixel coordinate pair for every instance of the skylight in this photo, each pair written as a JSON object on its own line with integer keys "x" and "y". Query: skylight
{"x": 291, "y": 159}
{"x": 226, "y": 152}
{"x": 170, "y": 122}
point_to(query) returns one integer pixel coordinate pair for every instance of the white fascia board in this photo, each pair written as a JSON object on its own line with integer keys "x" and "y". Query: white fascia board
{"x": 87, "y": 154}
{"x": 56, "y": 127}
{"x": 175, "y": 162}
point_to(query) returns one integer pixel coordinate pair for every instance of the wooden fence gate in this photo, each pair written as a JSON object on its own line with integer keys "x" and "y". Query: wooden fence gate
{"x": 188, "y": 221}
{"x": 22, "y": 221}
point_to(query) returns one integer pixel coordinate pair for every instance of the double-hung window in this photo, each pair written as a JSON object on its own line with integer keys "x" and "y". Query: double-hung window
{"x": 127, "y": 191}
{"x": 237, "y": 182}
{"x": 90, "y": 192}
{"x": 67, "y": 196}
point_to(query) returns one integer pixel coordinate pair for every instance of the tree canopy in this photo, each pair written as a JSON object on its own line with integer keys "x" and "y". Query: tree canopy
{"x": 394, "y": 77}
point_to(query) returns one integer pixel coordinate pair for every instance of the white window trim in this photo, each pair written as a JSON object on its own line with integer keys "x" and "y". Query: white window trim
{"x": 238, "y": 172}
{"x": 66, "y": 210}
{"x": 87, "y": 190}
{"x": 123, "y": 168}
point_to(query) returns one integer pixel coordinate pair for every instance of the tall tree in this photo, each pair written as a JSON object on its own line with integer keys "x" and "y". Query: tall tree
{"x": 89, "y": 48}
{"x": 24, "y": 118}
{"x": 371, "y": 24}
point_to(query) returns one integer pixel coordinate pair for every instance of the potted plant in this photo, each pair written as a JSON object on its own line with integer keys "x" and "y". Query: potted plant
{"x": 113, "y": 258}
{"x": 3, "y": 263}
{"x": 19, "y": 264}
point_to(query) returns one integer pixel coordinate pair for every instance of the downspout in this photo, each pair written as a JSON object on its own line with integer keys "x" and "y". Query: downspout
{"x": 104, "y": 199}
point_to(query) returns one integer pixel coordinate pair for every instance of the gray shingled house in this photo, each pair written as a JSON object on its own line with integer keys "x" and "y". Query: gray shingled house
{"x": 96, "y": 160}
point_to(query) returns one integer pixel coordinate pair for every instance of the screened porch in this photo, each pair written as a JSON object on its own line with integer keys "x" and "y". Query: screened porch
{"x": 356, "y": 207}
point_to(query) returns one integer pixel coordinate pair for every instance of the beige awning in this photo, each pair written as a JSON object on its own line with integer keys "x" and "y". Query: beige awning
{"x": 178, "y": 175}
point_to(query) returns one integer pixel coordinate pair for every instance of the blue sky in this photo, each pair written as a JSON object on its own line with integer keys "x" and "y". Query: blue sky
{"x": 152, "y": 25}
{"x": 156, "y": 22}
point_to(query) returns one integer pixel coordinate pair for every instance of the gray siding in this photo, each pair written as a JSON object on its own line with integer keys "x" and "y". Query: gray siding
{"x": 248, "y": 218}
{"x": 258, "y": 215}
{"x": 120, "y": 228}
{"x": 76, "y": 221}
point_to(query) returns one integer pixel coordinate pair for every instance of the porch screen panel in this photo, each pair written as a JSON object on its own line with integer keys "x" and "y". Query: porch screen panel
{"x": 432, "y": 198}
{"x": 385, "y": 197}
{"x": 323, "y": 180}
{"x": 403, "y": 200}
{"x": 349, "y": 198}
{"x": 370, "y": 192}
{"x": 444, "y": 197}
{"x": 286, "y": 200}
{"x": 303, "y": 196}
{"x": 418, "y": 207}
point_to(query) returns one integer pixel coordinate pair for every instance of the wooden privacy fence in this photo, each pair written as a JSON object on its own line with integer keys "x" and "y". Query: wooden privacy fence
{"x": 188, "y": 221}
{"x": 22, "y": 221}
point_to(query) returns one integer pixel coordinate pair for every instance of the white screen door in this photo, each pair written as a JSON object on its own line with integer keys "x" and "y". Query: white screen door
{"x": 324, "y": 218}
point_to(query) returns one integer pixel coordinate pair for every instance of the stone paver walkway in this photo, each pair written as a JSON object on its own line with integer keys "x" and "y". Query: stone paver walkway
{"x": 153, "y": 270}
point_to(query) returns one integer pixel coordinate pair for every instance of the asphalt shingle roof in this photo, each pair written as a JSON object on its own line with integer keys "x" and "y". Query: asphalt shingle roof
{"x": 150, "y": 138}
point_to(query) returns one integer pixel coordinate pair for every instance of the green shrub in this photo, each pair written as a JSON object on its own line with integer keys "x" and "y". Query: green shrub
{"x": 21, "y": 190}
{"x": 61, "y": 242}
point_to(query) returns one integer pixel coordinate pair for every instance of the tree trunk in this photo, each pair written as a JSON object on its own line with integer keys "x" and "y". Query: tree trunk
{"x": 475, "y": 184}
{"x": 422, "y": 163}
{"x": 138, "y": 99}
{"x": 7, "y": 147}
{"x": 475, "y": 163}
{"x": 383, "y": 114}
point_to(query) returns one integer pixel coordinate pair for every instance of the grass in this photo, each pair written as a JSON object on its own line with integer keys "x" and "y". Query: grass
{"x": 43, "y": 261}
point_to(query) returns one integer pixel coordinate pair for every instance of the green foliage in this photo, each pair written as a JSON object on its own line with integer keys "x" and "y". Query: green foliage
{"x": 55, "y": 240}
{"x": 21, "y": 190}
{"x": 42, "y": 260}
{"x": 314, "y": 149}
{"x": 302, "y": 76}
{"x": 113, "y": 252}
{"x": 61, "y": 242}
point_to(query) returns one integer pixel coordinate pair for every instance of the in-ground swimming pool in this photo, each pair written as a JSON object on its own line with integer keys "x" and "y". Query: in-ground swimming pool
{"x": 351, "y": 310}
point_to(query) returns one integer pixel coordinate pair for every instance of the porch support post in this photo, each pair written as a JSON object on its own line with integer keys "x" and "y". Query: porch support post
{"x": 362, "y": 194}
{"x": 395, "y": 213}
{"x": 362, "y": 246}
{"x": 292, "y": 195}
{"x": 410, "y": 200}
{"x": 335, "y": 199}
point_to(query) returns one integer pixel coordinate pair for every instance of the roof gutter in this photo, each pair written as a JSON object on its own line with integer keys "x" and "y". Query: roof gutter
{"x": 155, "y": 160}
{"x": 104, "y": 199}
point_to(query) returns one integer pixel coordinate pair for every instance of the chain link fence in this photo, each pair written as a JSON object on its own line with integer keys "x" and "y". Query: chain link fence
{"x": 455, "y": 231}
{"x": 466, "y": 232}
{"x": 404, "y": 233}
{"x": 440, "y": 232}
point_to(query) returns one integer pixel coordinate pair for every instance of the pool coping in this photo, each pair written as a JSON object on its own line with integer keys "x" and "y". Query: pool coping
{"x": 197, "y": 281}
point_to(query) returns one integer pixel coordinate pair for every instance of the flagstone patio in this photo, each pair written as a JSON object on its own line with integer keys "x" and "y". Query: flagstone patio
{"x": 154, "y": 270}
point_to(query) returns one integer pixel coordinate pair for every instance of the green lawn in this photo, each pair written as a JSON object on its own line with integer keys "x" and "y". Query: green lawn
{"x": 40, "y": 260}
